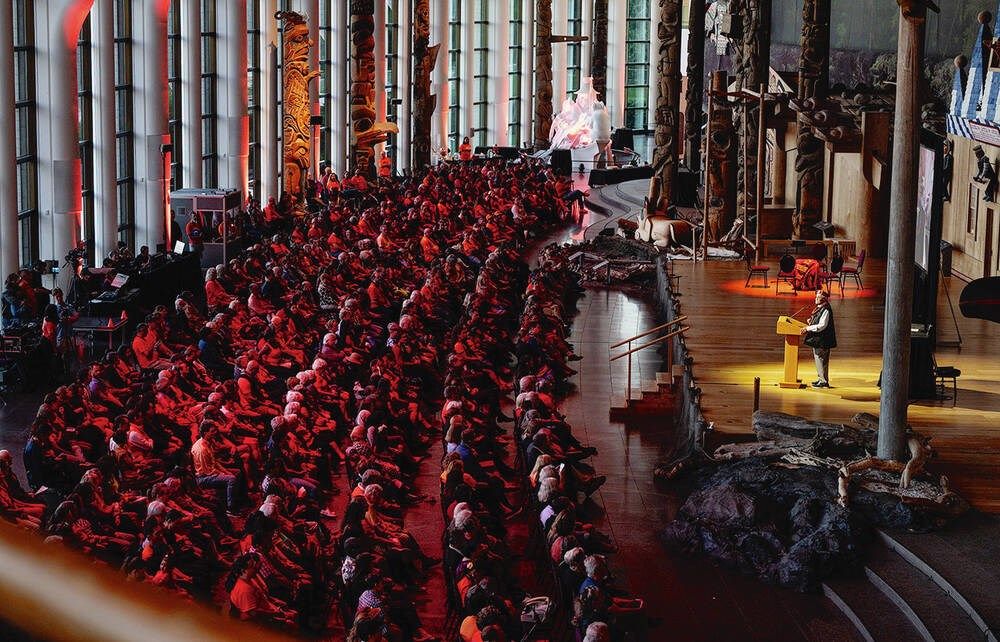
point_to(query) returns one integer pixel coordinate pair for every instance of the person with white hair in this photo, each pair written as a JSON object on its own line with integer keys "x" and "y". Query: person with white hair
{"x": 820, "y": 334}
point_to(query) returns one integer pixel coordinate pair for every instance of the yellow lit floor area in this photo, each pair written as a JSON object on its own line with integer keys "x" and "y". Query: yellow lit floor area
{"x": 733, "y": 340}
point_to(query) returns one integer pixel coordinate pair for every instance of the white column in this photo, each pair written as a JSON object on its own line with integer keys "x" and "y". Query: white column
{"x": 587, "y": 29}
{"x": 616, "y": 62}
{"x": 499, "y": 74}
{"x": 528, "y": 72}
{"x": 439, "y": 26}
{"x": 102, "y": 27}
{"x": 234, "y": 123}
{"x": 9, "y": 225}
{"x": 191, "y": 109}
{"x": 560, "y": 59}
{"x": 405, "y": 111}
{"x": 57, "y": 26}
{"x": 152, "y": 166}
{"x": 340, "y": 130}
{"x": 380, "y": 66}
{"x": 269, "y": 150}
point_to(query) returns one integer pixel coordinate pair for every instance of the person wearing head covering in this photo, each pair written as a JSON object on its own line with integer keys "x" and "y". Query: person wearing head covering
{"x": 821, "y": 335}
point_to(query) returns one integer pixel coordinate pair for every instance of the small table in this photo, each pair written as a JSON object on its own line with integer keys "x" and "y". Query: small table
{"x": 99, "y": 325}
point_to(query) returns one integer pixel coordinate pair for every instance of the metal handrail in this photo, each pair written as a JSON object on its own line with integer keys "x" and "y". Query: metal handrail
{"x": 648, "y": 332}
{"x": 652, "y": 343}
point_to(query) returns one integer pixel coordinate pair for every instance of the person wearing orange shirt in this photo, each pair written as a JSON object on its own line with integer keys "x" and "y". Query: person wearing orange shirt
{"x": 384, "y": 166}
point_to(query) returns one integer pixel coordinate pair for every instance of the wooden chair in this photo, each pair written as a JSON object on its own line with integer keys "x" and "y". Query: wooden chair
{"x": 786, "y": 273}
{"x": 853, "y": 272}
{"x": 753, "y": 269}
{"x": 826, "y": 277}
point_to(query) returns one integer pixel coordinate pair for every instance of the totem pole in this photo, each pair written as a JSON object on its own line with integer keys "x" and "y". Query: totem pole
{"x": 295, "y": 104}
{"x": 721, "y": 156}
{"x": 599, "y": 50}
{"x": 814, "y": 77}
{"x": 366, "y": 131}
{"x": 694, "y": 96}
{"x": 424, "y": 103}
{"x": 543, "y": 72}
{"x": 752, "y": 62}
{"x": 668, "y": 74}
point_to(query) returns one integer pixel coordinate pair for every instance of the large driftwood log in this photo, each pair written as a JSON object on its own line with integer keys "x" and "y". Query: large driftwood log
{"x": 784, "y": 428}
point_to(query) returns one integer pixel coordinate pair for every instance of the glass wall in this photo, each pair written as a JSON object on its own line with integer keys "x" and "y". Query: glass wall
{"x": 174, "y": 93}
{"x": 515, "y": 72}
{"x": 392, "y": 71}
{"x": 26, "y": 145}
{"x": 637, "y": 29}
{"x": 253, "y": 91}
{"x": 574, "y": 50}
{"x": 455, "y": 75}
{"x": 85, "y": 106}
{"x": 124, "y": 134}
{"x": 209, "y": 81}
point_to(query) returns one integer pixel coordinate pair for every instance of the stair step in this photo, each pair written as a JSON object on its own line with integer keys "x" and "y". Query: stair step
{"x": 874, "y": 615}
{"x": 958, "y": 567}
{"x": 935, "y": 615}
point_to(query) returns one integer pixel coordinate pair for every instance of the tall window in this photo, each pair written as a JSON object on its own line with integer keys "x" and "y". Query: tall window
{"x": 209, "y": 79}
{"x": 123, "y": 122}
{"x": 574, "y": 50}
{"x": 637, "y": 65}
{"x": 454, "y": 74}
{"x": 481, "y": 57}
{"x": 514, "y": 72}
{"x": 174, "y": 89}
{"x": 85, "y": 106}
{"x": 24, "y": 116}
{"x": 392, "y": 88}
{"x": 253, "y": 90}
{"x": 326, "y": 79}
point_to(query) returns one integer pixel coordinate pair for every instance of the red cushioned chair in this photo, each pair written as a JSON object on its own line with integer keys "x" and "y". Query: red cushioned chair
{"x": 854, "y": 272}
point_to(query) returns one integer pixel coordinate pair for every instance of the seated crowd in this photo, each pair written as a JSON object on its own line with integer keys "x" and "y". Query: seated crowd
{"x": 206, "y": 455}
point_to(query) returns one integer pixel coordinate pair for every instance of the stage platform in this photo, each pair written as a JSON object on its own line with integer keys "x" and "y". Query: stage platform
{"x": 732, "y": 339}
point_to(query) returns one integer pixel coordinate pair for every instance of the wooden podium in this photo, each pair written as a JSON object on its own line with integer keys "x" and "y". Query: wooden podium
{"x": 791, "y": 329}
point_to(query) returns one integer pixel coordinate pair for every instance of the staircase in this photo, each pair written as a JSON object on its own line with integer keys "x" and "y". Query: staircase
{"x": 653, "y": 398}
{"x": 922, "y": 587}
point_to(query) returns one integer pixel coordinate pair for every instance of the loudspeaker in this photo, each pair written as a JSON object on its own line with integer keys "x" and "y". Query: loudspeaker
{"x": 562, "y": 162}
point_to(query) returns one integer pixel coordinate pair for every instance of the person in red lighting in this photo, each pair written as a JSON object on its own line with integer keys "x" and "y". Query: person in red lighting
{"x": 465, "y": 150}
{"x": 384, "y": 166}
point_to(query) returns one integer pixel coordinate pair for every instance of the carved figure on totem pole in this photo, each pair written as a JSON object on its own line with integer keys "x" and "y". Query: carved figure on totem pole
{"x": 694, "y": 96}
{"x": 599, "y": 50}
{"x": 814, "y": 73}
{"x": 424, "y": 103}
{"x": 752, "y": 64}
{"x": 721, "y": 161}
{"x": 668, "y": 74}
{"x": 366, "y": 130}
{"x": 543, "y": 72}
{"x": 295, "y": 103}
{"x": 715, "y": 20}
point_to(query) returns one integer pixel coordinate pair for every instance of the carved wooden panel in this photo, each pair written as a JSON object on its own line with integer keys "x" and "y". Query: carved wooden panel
{"x": 296, "y": 112}
{"x": 424, "y": 103}
{"x": 814, "y": 74}
{"x": 543, "y": 72}
{"x": 668, "y": 74}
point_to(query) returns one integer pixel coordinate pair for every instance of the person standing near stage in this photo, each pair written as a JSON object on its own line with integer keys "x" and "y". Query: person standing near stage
{"x": 821, "y": 335}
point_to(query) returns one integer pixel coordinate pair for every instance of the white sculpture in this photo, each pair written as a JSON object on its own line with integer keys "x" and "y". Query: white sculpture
{"x": 583, "y": 125}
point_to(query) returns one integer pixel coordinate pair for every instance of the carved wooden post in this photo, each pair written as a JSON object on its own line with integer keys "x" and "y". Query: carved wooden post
{"x": 366, "y": 130}
{"x": 902, "y": 231}
{"x": 296, "y": 132}
{"x": 752, "y": 62}
{"x": 543, "y": 72}
{"x": 814, "y": 77}
{"x": 694, "y": 94}
{"x": 668, "y": 104}
{"x": 599, "y": 50}
{"x": 424, "y": 103}
{"x": 720, "y": 201}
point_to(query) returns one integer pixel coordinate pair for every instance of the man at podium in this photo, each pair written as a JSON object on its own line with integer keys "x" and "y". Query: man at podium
{"x": 821, "y": 335}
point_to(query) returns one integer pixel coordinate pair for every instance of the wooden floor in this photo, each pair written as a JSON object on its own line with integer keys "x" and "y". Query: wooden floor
{"x": 733, "y": 340}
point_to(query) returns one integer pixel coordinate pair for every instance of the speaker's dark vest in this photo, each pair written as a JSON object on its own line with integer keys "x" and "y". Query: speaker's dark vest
{"x": 824, "y": 338}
